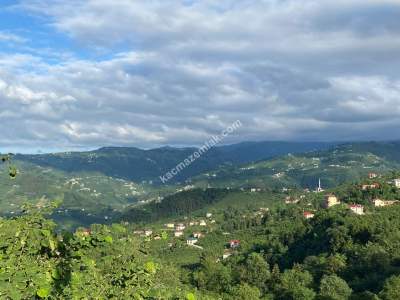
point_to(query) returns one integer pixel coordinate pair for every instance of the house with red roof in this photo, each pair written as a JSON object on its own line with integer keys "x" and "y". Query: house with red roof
{"x": 234, "y": 244}
{"x": 308, "y": 215}
{"x": 357, "y": 208}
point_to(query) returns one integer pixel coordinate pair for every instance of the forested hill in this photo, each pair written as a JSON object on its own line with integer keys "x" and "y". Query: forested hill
{"x": 147, "y": 165}
{"x": 273, "y": 250}
{"x": 336, "y": 165}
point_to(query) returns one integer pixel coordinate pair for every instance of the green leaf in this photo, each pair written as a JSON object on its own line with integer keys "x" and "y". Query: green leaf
{"x": 190, "y": 296}
{"x": 150, "y": 267}
{"x": 43, "y": 292}
{"x": 108, "y": 239}
{"x": 56, "y": 274}
{"x": 52, "y": 244}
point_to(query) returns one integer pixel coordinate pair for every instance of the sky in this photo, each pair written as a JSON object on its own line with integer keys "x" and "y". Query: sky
{"x": 81, "y": 74}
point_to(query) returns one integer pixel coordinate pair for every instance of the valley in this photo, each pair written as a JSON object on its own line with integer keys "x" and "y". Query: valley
{"x": 90, "y": 195}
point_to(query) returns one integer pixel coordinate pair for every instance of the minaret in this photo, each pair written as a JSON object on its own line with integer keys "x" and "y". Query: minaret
{"x": 319, "y": 189}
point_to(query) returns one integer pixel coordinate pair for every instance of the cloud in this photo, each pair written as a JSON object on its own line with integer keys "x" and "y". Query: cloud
{"x": 11, "y": 38}
{"x": 176, "y": 72}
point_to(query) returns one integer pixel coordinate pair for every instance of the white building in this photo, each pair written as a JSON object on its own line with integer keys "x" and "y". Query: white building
{"x": 357, "y": 209}
{"x": 148, "y": 232}
{"x": 226, "y": 254}
{"x": 191, "y": 241}
{"x": 396, "y": 182}
{"x": 180, "y": 227}
{"x": 308, "y": 215}
{"x": 381, "y": 203}
{"x": 178, "y": 233}
{"x": 197, "y": 235}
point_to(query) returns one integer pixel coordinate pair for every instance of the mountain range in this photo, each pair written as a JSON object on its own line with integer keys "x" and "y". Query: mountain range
{"x": 96, "y": 185}
{"x": 148, "y": 165}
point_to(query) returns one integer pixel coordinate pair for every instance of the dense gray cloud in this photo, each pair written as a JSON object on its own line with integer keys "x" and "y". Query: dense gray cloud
{"x": 176, "y": 72}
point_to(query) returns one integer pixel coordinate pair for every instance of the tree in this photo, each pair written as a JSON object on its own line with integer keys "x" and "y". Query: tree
{"x": 333, "y": 287}
{"x": 391, "y": 289}
{"x": 212, "y": 276}
{"x": 246, "y": 292}
{"x": 256, "y": 271}
{"x": 296, "y": 284}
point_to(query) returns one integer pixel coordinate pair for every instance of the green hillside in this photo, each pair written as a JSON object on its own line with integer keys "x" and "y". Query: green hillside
{"x": 86, "y": 197}
{"x": 343, "y": 163}
{"x": 148, "y": 165}
{"x": 252, "y": 246}
{"x": 89, "y": 195}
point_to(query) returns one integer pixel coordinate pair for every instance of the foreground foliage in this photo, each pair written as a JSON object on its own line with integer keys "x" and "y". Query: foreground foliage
{"x": 101, "y": 263}
{"x": 336, "y": 255}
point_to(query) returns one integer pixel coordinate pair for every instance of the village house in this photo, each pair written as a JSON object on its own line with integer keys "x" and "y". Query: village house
{"x": 157, "y": 237}
{"x": 381, "y": 203}
{"x": 372, "y": 175}
{"x": 308, "y": 215}
{"x": 258, "y": 214}
{"x": 290, "y": 200}
{"x": 178, "y": 233}
{"x": 191, "y": 241}
{"x": 396, "y": 182}
{"x": 330, "y": 200}
{"x": 202, "y": 223}
{"x": 357, "y": 209}
{"x": 180, "y": 227}
{"x": 370, "y": 186}
{"x": 148, "y": 232}
{"x": 234, "y": 244}
{"x": 208, "y": 215}
{"x": 86, "y": 232}
{"x": 227, "y": 253}
{"x": 170, "y": 225}
{"x": 212, "y": 221}
{"x": 197, "y": 235}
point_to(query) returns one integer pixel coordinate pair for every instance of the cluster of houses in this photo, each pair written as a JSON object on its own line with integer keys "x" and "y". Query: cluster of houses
{"x": 381, "y": 203}
{"x": 331, "y": 200}
{"x": 144, "y": 233}
{"x": 233, "y": 245}
{"x": 179, "y": 228}
{"x": 371, "y": 186}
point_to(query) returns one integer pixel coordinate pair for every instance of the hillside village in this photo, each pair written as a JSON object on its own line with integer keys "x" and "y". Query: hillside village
{"x": 192, "y": 230}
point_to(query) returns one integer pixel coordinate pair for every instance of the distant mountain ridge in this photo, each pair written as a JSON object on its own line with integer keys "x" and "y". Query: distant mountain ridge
{"x": 336, "y": 165}
{"x": 147, "y": 165}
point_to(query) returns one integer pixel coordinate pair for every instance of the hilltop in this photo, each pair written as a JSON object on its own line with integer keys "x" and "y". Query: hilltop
{"x": 336, "y": 165}
{"x": 95, "y": 186}
{"x": 148, "y": 165}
